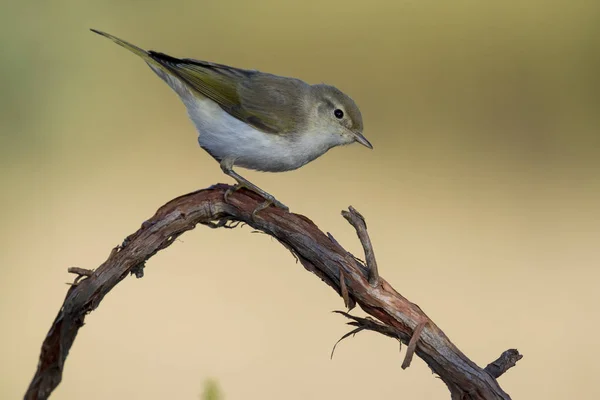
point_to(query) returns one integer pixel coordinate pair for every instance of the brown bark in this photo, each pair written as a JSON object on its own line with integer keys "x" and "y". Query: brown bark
{"x": 356, "y": 282}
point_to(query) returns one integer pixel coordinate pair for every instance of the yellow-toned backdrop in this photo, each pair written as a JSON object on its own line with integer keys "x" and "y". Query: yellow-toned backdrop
{"x": 482, "y": 195}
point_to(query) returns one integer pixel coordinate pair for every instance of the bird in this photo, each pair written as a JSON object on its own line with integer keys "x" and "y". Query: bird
{"x": 256, "y": 120}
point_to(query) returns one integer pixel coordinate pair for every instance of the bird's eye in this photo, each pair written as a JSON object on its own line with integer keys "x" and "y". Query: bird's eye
{"x": 339, "y": 114}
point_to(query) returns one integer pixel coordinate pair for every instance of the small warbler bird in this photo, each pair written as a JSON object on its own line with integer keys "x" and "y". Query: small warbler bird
{"x": 257, "y": 120}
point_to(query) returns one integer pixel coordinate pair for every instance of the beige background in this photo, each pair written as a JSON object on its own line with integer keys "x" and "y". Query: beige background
{"x": 481, "y": 195}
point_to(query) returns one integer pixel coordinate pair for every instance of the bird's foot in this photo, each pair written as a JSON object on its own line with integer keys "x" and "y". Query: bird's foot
{"x": 231, "y": 190}
{"x": 258, "y": 209}
{"x": 272, "y": 200}
{"x": 269, "y": 199}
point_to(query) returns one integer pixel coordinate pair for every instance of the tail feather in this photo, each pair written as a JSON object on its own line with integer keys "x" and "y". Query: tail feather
{"x": 134, "y": 49}
{"x": 158, "y": 63}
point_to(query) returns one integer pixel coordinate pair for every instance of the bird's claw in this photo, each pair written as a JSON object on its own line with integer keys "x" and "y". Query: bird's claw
{"x": 278, "y": 204}
{"x": 269, "y": 199}
{"x": 231, "y": 190}
{"x": 261, "y": 207}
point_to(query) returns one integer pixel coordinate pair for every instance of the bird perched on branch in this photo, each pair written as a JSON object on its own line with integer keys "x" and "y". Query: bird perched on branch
{"x": 256, "y": 120}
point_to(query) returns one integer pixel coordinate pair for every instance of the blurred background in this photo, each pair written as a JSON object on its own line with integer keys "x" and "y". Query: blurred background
{"x": 481, "y": 195}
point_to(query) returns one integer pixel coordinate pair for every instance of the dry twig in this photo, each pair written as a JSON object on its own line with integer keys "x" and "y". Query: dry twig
{"x": 358, "y": 222}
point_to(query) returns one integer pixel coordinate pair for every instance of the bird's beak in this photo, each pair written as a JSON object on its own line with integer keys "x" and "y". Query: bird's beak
{"x": 361, "y": 139}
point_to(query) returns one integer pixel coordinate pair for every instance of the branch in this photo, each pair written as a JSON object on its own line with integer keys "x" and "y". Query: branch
{"x": 358, "y": 222}
{"x": 507, "y": 360}
{"x": 319, "y": 253}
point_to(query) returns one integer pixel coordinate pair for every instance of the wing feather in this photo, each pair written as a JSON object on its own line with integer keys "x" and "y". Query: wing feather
{"x": 270, "y": 103}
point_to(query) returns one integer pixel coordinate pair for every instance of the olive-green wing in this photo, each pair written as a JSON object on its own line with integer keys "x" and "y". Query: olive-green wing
{"x": 269, "y": 103}
{"x": 275, "y": 102}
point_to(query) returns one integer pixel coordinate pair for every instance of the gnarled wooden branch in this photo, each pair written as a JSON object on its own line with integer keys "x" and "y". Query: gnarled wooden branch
{"x": 319, "y": 253}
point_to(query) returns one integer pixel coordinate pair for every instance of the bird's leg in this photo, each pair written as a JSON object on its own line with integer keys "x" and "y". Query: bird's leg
{"x": 227, "y": 167}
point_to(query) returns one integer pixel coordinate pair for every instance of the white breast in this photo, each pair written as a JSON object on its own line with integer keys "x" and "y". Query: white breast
{"x": 225, "y": 136}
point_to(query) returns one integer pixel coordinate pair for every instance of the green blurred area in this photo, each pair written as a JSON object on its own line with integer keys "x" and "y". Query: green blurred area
{"x": 211, "y": 390}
